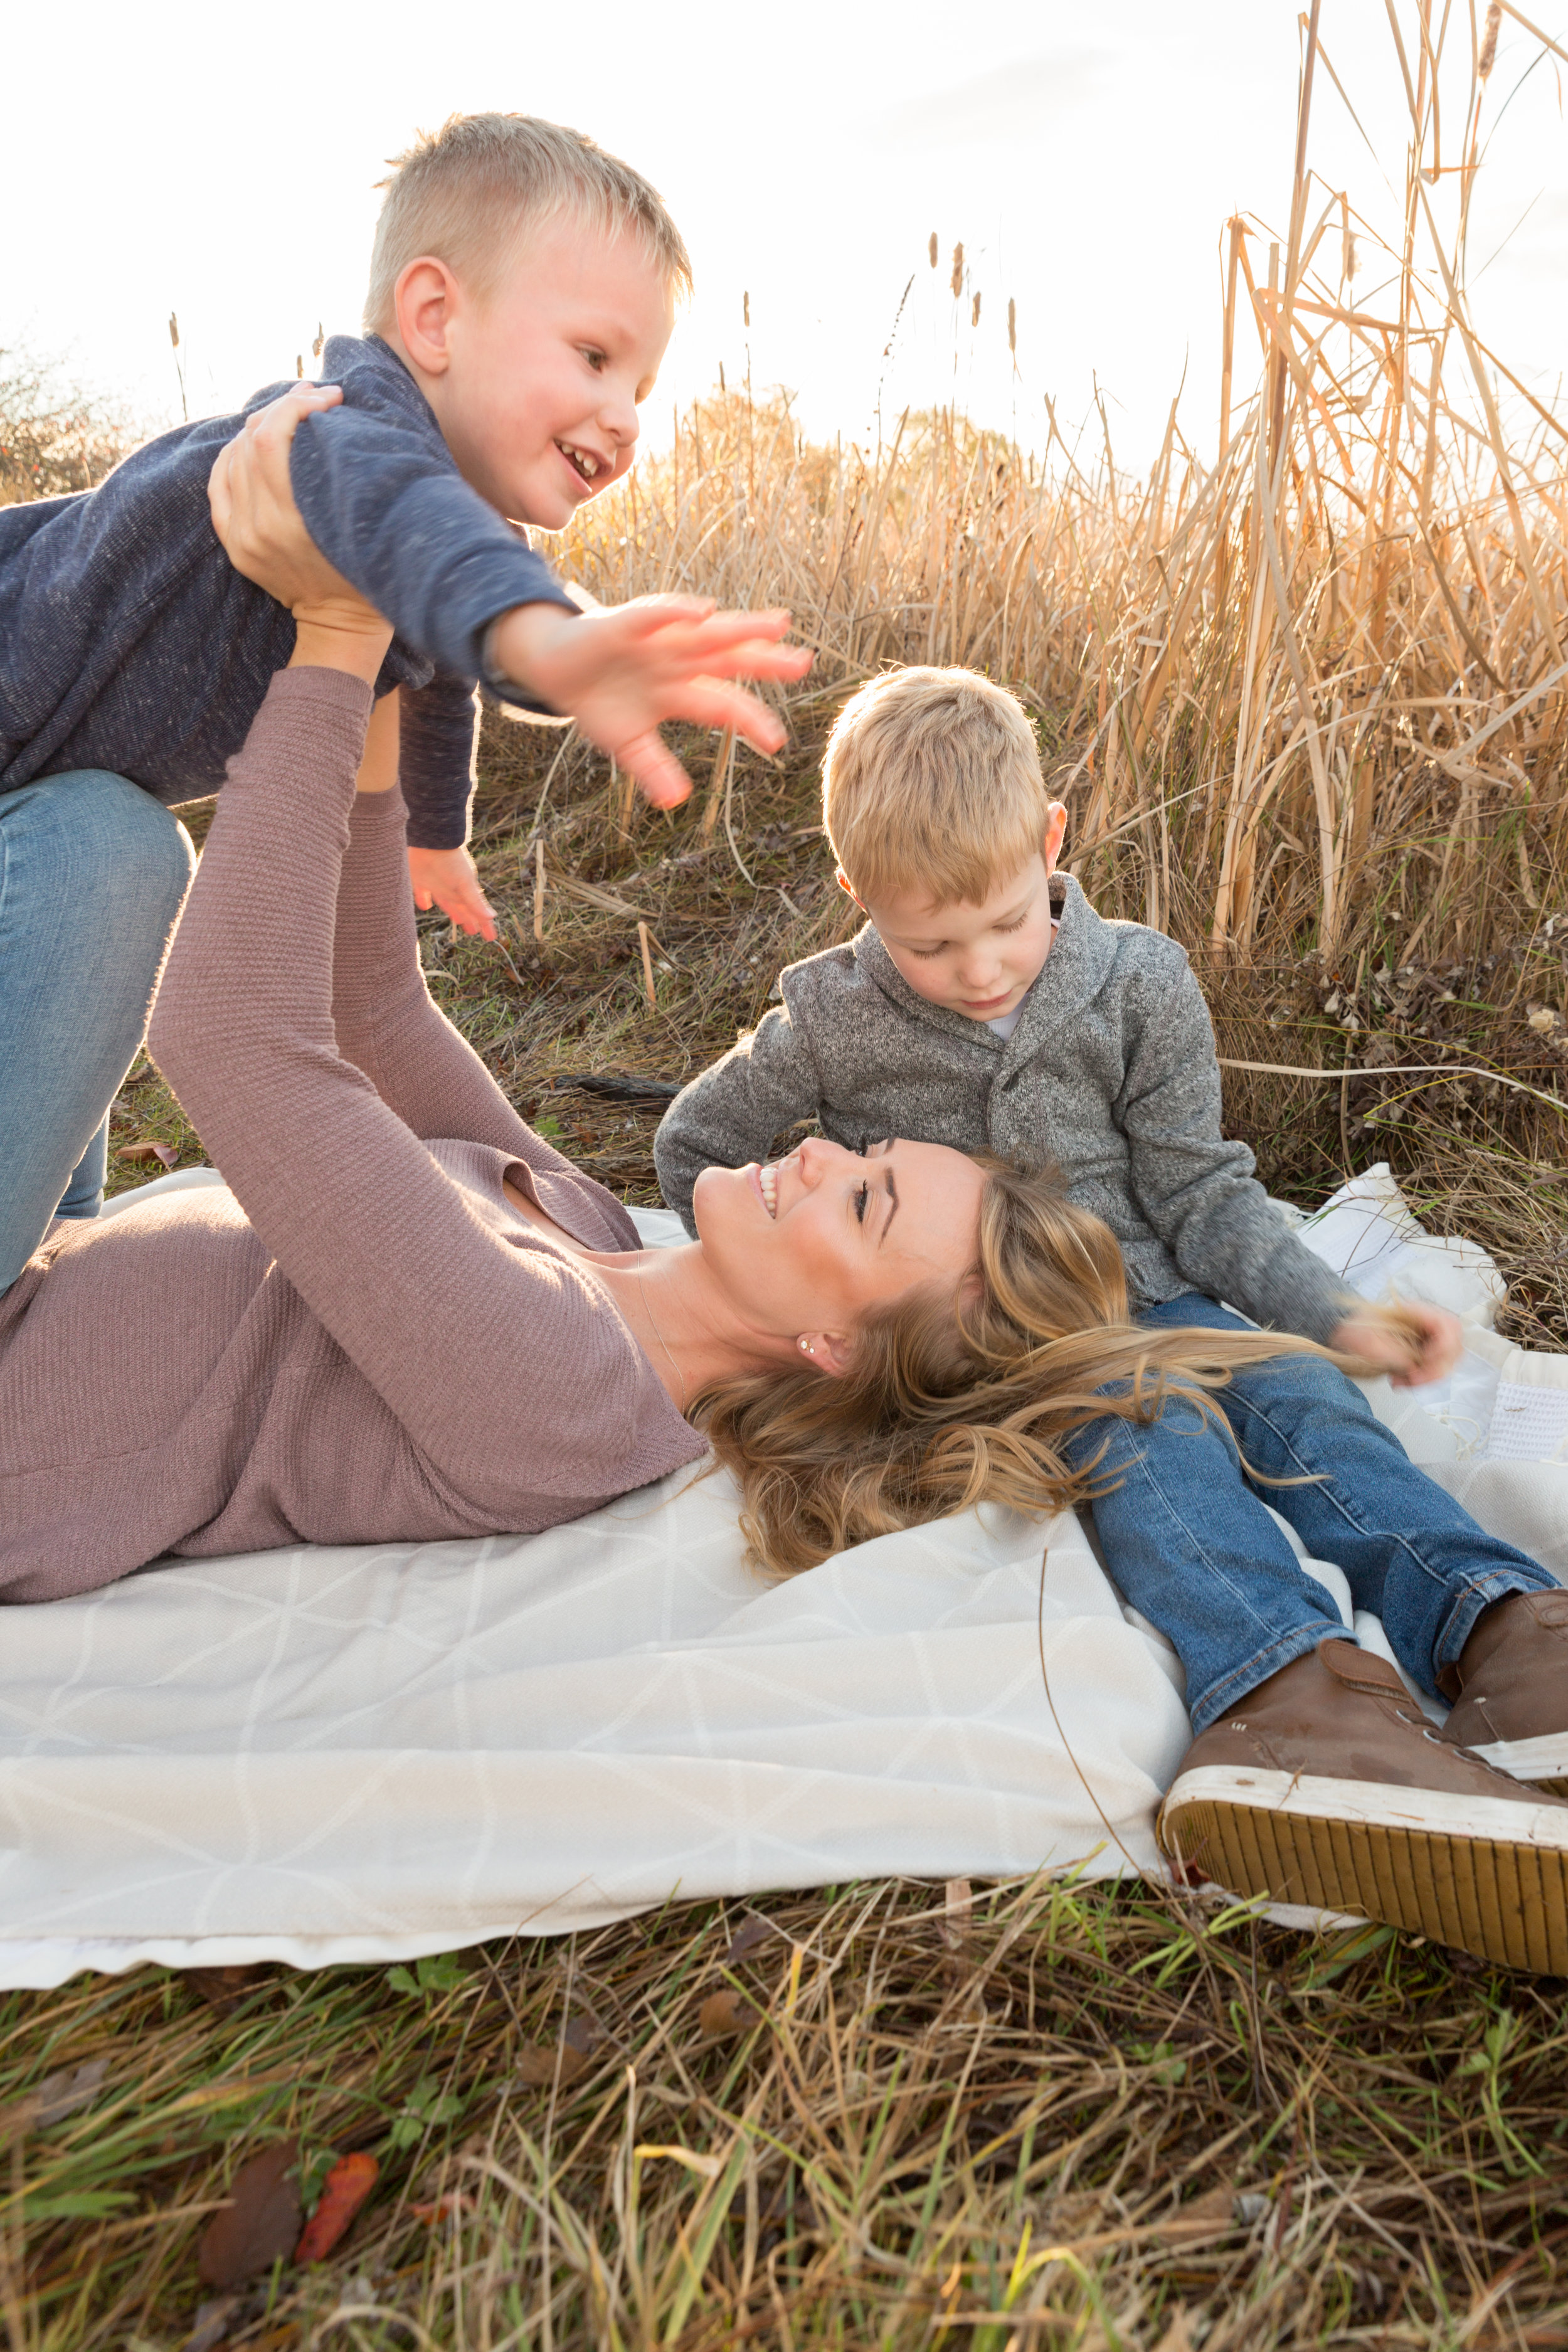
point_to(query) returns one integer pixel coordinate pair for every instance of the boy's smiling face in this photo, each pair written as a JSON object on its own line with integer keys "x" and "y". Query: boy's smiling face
{"x": 537, "y": 385}
{"x": 980, "y": 961}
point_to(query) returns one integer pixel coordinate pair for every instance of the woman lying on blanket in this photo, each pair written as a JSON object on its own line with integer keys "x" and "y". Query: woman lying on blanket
{"x": 408, "y": 1317}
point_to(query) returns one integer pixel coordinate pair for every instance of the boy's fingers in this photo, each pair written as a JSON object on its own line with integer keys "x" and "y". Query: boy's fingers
{"x": 754, "y": 659}
{"x": 706, "y": 702}
{"x": 664, "y": 782}
{"x": 644, "y": 614}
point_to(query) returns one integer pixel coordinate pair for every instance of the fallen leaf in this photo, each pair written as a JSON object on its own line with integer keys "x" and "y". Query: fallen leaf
{"x": 343, "y": 2191}
{"x": 540, "y": 2064}
{"x": 1205, "y": 2216}
{"x": 58, "y": 2095}
{"x": 1177, "y": 2337}
{"x": 260, "y": 2221}
{"x": 214, "y": 2319}
{"x": 441, "y": 2208}
{"x": 725, "y": 2012}
{"x": 222, "y": 1988}
{"x": 755, "y": 1931}
{"x": 166, "y": 1152}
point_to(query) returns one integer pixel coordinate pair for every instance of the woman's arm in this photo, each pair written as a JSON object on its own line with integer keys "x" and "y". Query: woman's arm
{"x": 384, "y": 1020}
{"x": 507, "y": 1364}
{"x": 504, "y": 1360}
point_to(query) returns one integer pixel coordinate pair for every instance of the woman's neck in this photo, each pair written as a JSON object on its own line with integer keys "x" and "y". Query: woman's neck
{"x": 676, "y": 1316}
{"x": 672, "y": 1307}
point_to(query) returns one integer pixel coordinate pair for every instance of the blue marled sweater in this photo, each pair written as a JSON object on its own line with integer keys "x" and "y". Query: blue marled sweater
{"x": 129, "y": 642}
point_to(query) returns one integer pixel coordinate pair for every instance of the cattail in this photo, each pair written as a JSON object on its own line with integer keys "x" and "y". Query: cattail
{"x": 1488, "y": 44}
{"x": 298, "y": 366}
{"x": 933, "y": 248}
{"x": 722, "y": 375}
{"x": 1349, "y": 254}
{"x": 957, "y": 270}
{"x": 321, "y": 339}
{"x": 745, "y": 309}
{"x": 173, "y": 331}
{"x": 1012, "y": 325}
{"x": 974, "y": 312}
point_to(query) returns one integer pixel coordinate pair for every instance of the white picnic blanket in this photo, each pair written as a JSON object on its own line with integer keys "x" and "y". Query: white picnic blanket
{"x": 374, "y": 1752}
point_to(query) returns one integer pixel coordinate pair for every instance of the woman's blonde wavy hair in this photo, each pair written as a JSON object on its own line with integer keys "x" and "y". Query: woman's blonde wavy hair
{"x": 957, "y": 1399}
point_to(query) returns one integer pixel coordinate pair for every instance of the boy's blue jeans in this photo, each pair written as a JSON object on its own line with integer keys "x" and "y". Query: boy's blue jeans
{"x": 1191, "y": 1546}
{"x": 93, "y": 873}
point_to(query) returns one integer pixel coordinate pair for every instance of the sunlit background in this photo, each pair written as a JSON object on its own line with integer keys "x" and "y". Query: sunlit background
{"x": 220, "y": 165}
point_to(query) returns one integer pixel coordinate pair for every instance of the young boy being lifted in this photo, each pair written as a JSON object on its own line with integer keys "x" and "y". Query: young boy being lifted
{"x": 986, "y": 1005}
{"x": 521, "y": 294}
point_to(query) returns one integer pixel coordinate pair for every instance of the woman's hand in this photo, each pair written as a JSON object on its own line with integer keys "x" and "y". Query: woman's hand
{"x": 264, "y": 536}
{"x": 1412, "y": 1343}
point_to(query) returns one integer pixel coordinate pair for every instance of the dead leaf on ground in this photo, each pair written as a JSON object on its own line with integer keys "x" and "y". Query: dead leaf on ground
{"x": 213, "y": 2320}
{"x": 755, "y": 1931}
{"x": 221, "y": 1989}
{"x": 540, "y": 2064}
{"x": 1176, "y": 2336}
{"x": 260, "y": 2221}
{"x": 1205, "y": 2216}
{"x": 441, "y": 2208}
{"x": 166, "y": 1152}
{"x": 343, "y": 2191}
{"x": 60, "y": 2094}
{"x": 725, "y": 2012}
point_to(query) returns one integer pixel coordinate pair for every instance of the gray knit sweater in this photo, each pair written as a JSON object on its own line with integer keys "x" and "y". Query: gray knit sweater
{"x": 1111, "y": 1074}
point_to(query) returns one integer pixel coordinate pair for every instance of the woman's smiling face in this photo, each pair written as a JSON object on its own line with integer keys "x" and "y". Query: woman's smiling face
{"x": 811, "y": 1243}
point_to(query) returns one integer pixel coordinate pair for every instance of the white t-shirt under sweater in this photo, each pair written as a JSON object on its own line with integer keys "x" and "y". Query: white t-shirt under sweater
{"x": 1006, "y": 1023}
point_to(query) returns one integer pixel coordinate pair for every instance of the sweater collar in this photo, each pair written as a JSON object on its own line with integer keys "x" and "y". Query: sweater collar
{"x": 1073, "y": 974}
{"x": 345, "y": 352}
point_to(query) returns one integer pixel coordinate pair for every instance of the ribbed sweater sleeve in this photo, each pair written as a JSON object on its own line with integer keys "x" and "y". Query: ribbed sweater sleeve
{"x": 502, "y": 1358}
{"x": 387, "y": 1023}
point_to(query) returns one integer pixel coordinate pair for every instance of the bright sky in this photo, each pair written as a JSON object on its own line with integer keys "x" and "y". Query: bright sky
{"x": 219, "y": 162}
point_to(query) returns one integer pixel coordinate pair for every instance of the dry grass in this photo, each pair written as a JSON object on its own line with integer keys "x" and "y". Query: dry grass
{"x": 54, "y": 437}
{"x": 1043, "y": 2115}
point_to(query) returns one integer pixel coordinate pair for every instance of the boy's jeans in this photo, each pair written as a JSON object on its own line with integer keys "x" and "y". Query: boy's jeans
{"x": 1192, "y": 1547}
{"x": 93, "y": 873}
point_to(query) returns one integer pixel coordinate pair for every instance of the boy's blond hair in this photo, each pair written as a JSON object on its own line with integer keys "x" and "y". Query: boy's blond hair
{"x": 932, "y": 784}
{"x": 466, "y": 194}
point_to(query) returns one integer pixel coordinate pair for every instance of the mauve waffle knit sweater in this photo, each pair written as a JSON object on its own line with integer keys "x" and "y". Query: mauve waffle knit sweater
{"x": 360, "y": 1341}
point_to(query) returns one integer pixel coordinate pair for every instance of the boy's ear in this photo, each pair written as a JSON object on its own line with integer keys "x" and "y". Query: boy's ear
{"x": 422, "y": 301}
{"x": 845, "y": 884}
{"x": 1055, "y": 835}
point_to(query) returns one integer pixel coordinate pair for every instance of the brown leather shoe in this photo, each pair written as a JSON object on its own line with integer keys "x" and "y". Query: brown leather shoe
{"x": 1328, "y": 1786}
{"x": 1509, "y": 1688}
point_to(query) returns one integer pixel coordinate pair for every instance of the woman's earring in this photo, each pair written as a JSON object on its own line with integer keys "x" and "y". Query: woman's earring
{"x": 805, "y": 1344}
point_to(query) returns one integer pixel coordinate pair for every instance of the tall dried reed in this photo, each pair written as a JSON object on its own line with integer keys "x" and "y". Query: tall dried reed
{"x": 1307, "y": 693}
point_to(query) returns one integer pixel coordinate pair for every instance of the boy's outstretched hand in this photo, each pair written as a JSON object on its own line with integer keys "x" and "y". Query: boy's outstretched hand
{"x": 623, "y": 669}
{"x": 449, "y": 879}
{"x": 1413, "y": 1343}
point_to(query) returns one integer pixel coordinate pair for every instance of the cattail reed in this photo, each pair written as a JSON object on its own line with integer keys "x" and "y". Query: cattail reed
{"x": 1488, "y": 58}
{"x": 1304, "y": 669}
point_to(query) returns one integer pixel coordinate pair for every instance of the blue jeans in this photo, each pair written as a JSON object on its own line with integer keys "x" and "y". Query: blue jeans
{"x": 93, "y": 873}
{"x": 1191, "y": 1546}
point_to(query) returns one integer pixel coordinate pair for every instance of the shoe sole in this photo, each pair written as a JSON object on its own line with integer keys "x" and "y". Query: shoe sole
{"x": 1487, "y": 1875}
{"x": 1544, "y": 1761}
